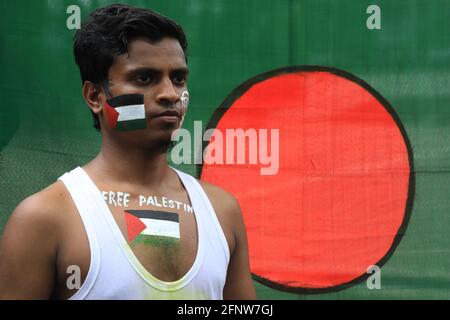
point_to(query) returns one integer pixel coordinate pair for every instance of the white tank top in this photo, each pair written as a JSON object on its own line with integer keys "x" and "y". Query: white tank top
{"x": 116, "y": 273}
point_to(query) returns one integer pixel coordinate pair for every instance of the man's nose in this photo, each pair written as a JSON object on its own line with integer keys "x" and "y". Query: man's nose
{"x": 166, "y": 95}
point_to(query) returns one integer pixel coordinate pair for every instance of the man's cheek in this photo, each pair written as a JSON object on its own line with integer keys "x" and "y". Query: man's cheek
{"x": 126, "y": 112}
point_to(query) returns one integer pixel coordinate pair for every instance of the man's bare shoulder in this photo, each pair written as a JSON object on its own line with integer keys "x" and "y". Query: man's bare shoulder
{"x": 221, "y": 198}
{"x": 227, "y": 210}
{"x": 29, "y": 245}
{"x": 42, "y": 209}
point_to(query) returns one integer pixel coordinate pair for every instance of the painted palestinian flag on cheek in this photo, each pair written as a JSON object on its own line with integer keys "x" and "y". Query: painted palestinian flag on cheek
{"x": 152, "y": 227}
{"x": 126, "y": 112}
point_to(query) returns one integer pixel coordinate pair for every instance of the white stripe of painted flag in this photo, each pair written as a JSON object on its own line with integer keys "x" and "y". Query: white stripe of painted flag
{"x": 131, "y": 112}
{"x": 161, "y": 228}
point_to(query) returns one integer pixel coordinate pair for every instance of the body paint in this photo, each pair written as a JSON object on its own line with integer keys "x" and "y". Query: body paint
{"x": 152, "y": 227}
{"x": 122, "y": 199}
{"x": 126, "y": 112}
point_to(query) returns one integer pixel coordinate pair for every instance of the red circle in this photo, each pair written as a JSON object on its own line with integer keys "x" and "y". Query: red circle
{"x": 338, "y": 200}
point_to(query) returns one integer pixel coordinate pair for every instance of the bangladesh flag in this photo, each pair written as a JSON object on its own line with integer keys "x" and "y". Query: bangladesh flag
{"x": 126, "y": 112}
{"x": 152, "y": 227}
{"x": 343, "y": 177}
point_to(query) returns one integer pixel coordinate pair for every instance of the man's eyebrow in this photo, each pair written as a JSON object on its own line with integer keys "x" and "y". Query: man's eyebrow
{"x": 143, "y": 70}
{"x": 183, "y": 70}
{"x": 138, "y": 70}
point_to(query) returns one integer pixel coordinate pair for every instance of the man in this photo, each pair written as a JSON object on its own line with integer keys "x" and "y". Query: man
{"x": 126, "y": 224}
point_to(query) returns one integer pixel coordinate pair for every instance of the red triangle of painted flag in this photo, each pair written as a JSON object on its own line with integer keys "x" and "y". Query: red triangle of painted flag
{"x": 111, "y": 114}
{"x": 134, "y": 226}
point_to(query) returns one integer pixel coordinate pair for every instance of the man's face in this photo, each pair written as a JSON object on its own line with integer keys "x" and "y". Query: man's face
{"x": 159, "y": 72}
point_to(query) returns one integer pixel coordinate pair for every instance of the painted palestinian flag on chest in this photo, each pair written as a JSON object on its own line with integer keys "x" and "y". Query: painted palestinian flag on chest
{"x": 126, "y": 112}
{"x": 152, "y": 227}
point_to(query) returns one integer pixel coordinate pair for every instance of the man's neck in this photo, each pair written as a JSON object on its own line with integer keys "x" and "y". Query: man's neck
{"x": 130, "y": 164}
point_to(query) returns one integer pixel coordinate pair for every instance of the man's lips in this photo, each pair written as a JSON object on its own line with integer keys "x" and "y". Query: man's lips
{"x": 168, "y": 113}
{"x": 168, "y": 116}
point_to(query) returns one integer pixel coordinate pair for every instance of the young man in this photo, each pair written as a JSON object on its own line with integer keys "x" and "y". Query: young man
{"x": 126, "y": 225}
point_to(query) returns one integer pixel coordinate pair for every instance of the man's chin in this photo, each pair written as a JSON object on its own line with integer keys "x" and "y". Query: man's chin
{"x": 161, "y": 141}
{"x": 163, "y": 146}
{"x": 152, "y": 139}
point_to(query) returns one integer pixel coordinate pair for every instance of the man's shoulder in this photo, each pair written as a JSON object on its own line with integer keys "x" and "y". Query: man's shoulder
{"x": 30, "y": 243}
{"x": 221, "y": 199}
{"x": 44, "y": 207}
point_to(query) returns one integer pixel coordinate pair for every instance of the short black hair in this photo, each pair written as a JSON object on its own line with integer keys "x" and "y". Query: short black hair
{"x": 107, "y": 32}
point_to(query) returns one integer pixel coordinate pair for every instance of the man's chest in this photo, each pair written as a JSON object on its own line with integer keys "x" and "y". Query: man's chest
{"x": 161, "y": 231}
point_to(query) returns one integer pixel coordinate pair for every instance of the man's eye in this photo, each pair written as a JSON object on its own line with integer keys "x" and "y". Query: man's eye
{"x": 179, "y": 80}
{"x": 143, "y": 78}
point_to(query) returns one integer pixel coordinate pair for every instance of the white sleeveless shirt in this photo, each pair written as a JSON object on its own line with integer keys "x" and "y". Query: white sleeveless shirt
{"x": 116, "y": 273}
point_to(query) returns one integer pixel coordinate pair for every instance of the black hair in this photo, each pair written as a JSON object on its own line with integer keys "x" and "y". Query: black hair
{"x": 106, "y": 34}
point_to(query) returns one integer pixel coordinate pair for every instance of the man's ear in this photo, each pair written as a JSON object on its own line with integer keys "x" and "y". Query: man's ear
{"x": 93, "y": 96}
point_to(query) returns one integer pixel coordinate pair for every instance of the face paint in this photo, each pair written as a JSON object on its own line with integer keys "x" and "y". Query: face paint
{"x": 126, "y": 112}
{"x": 184, "y": 100}
{"x": 152, "y": 226}
{"x": 184, "y": 104}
